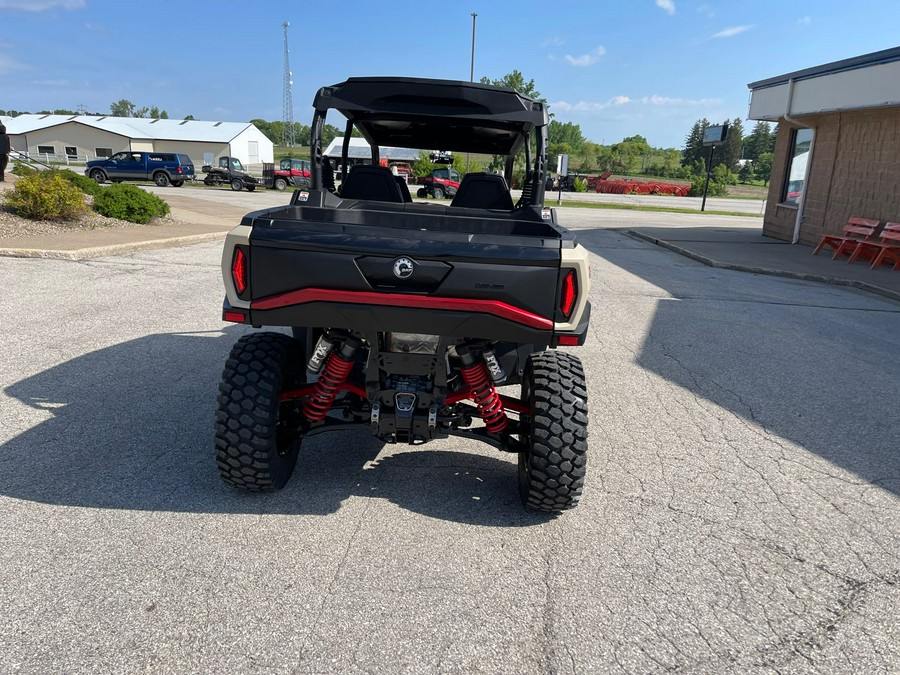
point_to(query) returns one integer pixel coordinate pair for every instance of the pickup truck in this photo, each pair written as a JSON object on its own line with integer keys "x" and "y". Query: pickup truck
{"x": 163, "y": 168}
{"x": 405, "y": 317}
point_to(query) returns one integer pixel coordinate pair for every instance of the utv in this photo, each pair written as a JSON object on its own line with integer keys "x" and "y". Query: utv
{"x": 407, "y": 317}
{"x": 230, "y": 171}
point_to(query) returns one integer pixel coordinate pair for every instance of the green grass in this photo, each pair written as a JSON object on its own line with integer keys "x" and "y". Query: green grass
{"x": 655, "y": 209}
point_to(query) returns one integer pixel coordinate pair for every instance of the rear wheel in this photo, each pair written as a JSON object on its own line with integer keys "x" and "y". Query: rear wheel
{"x": 256, "y": 435}
{"x": 251, "y": 188}
{"x": 438, "y": 193}
{"x": 161, "y": 179}
{"x": 421, "y": 193}
{"x": 237, "y": 185}
{"x": 280, "y": 184}
{"x": 552, "y": 466}
{"x": 98, "y": 175}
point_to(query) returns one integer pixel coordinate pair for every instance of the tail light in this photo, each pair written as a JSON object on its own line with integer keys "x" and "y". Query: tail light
{"x": 239, "y": 270}
{"x": 178, "y": 169}
{"x": 568, "y": 294}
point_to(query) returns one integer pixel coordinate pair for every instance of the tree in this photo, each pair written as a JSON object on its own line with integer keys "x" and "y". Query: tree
{"x": 516, "y": 81}
{"x": 760, "y": 140}
{"x": 729, "y": 152}
{"x": 693, "y": 144}
{"x": 189, "y": 117}
{"x": 745, "y": 175}
{"x": 122, "y": 108}
{"x": 125, "y": 108}
{"x": 762, "y": 168}
{"x": 568, "y": 133}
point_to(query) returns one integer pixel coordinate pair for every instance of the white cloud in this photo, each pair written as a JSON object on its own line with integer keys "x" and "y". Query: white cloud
{"x": 7, "y": 65}
{"x": 589, "y": 106}
{"x": 666, "y": 100}
{"x": 732, "y": 31}
{"x": 706, "y": 11}
{"x": 804, "y": 21}
{"x": 667, "y": 6}
{"x": 620, "y": 100}
{"x": 553, "y": 41}
{"x": 41, "y": 5}
{"x": 586, "y": 59}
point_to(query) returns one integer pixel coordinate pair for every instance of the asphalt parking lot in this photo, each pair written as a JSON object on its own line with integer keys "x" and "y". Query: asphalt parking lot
{"x": 741, "y": 511}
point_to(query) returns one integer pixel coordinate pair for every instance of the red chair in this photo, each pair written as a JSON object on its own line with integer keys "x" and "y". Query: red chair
{"x": 886, "y": 249}
{"x": 855, "y": 231}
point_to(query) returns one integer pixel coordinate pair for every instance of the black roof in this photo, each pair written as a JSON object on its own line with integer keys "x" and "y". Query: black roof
{"x": 873, "y": 59}
{"x": 435, "y": 114}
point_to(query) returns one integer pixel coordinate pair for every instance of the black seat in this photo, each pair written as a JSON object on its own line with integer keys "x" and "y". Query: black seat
{"x": 483, "y": 191}
{"x": 404, "y": 188}
{"x": 374, "y": 183}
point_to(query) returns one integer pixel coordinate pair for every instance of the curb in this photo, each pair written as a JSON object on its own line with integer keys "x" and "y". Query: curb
{"x": 111, "y": 249}
{"x": 803, "y": 276}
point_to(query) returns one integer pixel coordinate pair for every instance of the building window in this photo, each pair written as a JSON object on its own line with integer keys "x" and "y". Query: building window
{"x": 103, "y": 152}
{"x": 71, "y": 151}
{"x": 46, "y": 150}
{"x": 798, "y": 158}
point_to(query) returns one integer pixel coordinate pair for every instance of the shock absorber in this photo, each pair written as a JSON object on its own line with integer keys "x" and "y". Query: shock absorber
{"x": 334, "y": 375}
{"x": 475, "y": 374}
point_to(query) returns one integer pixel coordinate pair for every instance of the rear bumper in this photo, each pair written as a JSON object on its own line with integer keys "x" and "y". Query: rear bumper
{"x": 368, "y": 311}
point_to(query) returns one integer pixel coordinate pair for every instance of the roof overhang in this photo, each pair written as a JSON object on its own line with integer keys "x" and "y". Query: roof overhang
{"x": 869, "y": 81}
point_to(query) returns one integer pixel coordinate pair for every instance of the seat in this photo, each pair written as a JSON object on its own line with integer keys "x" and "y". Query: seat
{"x": 404, "y": 188}
{"x": 372, "y": 183}
{"x": 483, "y": 191}
{"x": 888, "y": 249}
{"x": 856, "y": 230}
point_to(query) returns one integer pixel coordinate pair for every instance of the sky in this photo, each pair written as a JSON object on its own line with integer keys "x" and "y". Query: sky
{"x": 616, "y": 68}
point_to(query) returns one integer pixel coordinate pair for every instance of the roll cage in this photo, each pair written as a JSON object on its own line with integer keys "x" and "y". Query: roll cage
{"x": 436, "y": 115}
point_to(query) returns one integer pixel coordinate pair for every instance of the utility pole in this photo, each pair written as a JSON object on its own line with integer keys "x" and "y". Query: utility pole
{"x": 471, "y": 71}
{"x": 287, "y": 107}
{"x": 472, "y": 67}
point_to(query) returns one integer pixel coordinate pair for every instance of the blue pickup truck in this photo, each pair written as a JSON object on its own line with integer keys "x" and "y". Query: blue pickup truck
{"x": 163, "y": 168}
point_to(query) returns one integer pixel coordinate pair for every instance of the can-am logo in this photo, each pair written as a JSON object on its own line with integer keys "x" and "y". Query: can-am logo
{"x": 403, "y": 268}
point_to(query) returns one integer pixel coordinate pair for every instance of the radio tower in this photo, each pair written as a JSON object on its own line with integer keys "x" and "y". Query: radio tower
{"x": 287, "y": 108}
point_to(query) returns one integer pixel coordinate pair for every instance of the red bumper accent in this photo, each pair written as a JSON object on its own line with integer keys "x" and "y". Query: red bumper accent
{"x": 493, "y": 307}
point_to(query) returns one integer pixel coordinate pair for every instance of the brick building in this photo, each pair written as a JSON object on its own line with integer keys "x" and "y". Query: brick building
{"x": 837, "y": 153}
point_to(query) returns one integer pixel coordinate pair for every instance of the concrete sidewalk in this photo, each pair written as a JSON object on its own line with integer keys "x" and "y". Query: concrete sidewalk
{"x": 745, "y": 249}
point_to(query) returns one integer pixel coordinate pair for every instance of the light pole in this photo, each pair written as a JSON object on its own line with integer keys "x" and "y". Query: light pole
{"x": 471, "y": 71}
{"x": 472, "y": 67}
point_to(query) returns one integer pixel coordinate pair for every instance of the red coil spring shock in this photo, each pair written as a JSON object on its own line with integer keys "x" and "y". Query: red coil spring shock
{"x": 485, "y": 396}
{"x": 333, "y": 377}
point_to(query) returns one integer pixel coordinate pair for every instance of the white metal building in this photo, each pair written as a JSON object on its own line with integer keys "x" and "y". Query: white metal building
{"x": 359, "y": 150}
{"x": 81, "y": 137}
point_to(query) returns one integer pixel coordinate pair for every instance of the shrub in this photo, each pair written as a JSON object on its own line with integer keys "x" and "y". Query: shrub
{"x": 580, "y": 185}
{"x": 723, "y": 175}
{"x": 715, "y": 189}
{"x": 82, "y": 182}
{"x": 22, "y": 169}
{"x": 127, "y": 202}
{"x": 46, "y": 196}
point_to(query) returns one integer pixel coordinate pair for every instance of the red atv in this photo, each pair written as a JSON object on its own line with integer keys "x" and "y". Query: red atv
{"x": 441, "y": 183}
{"x": 290, "y": 172}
